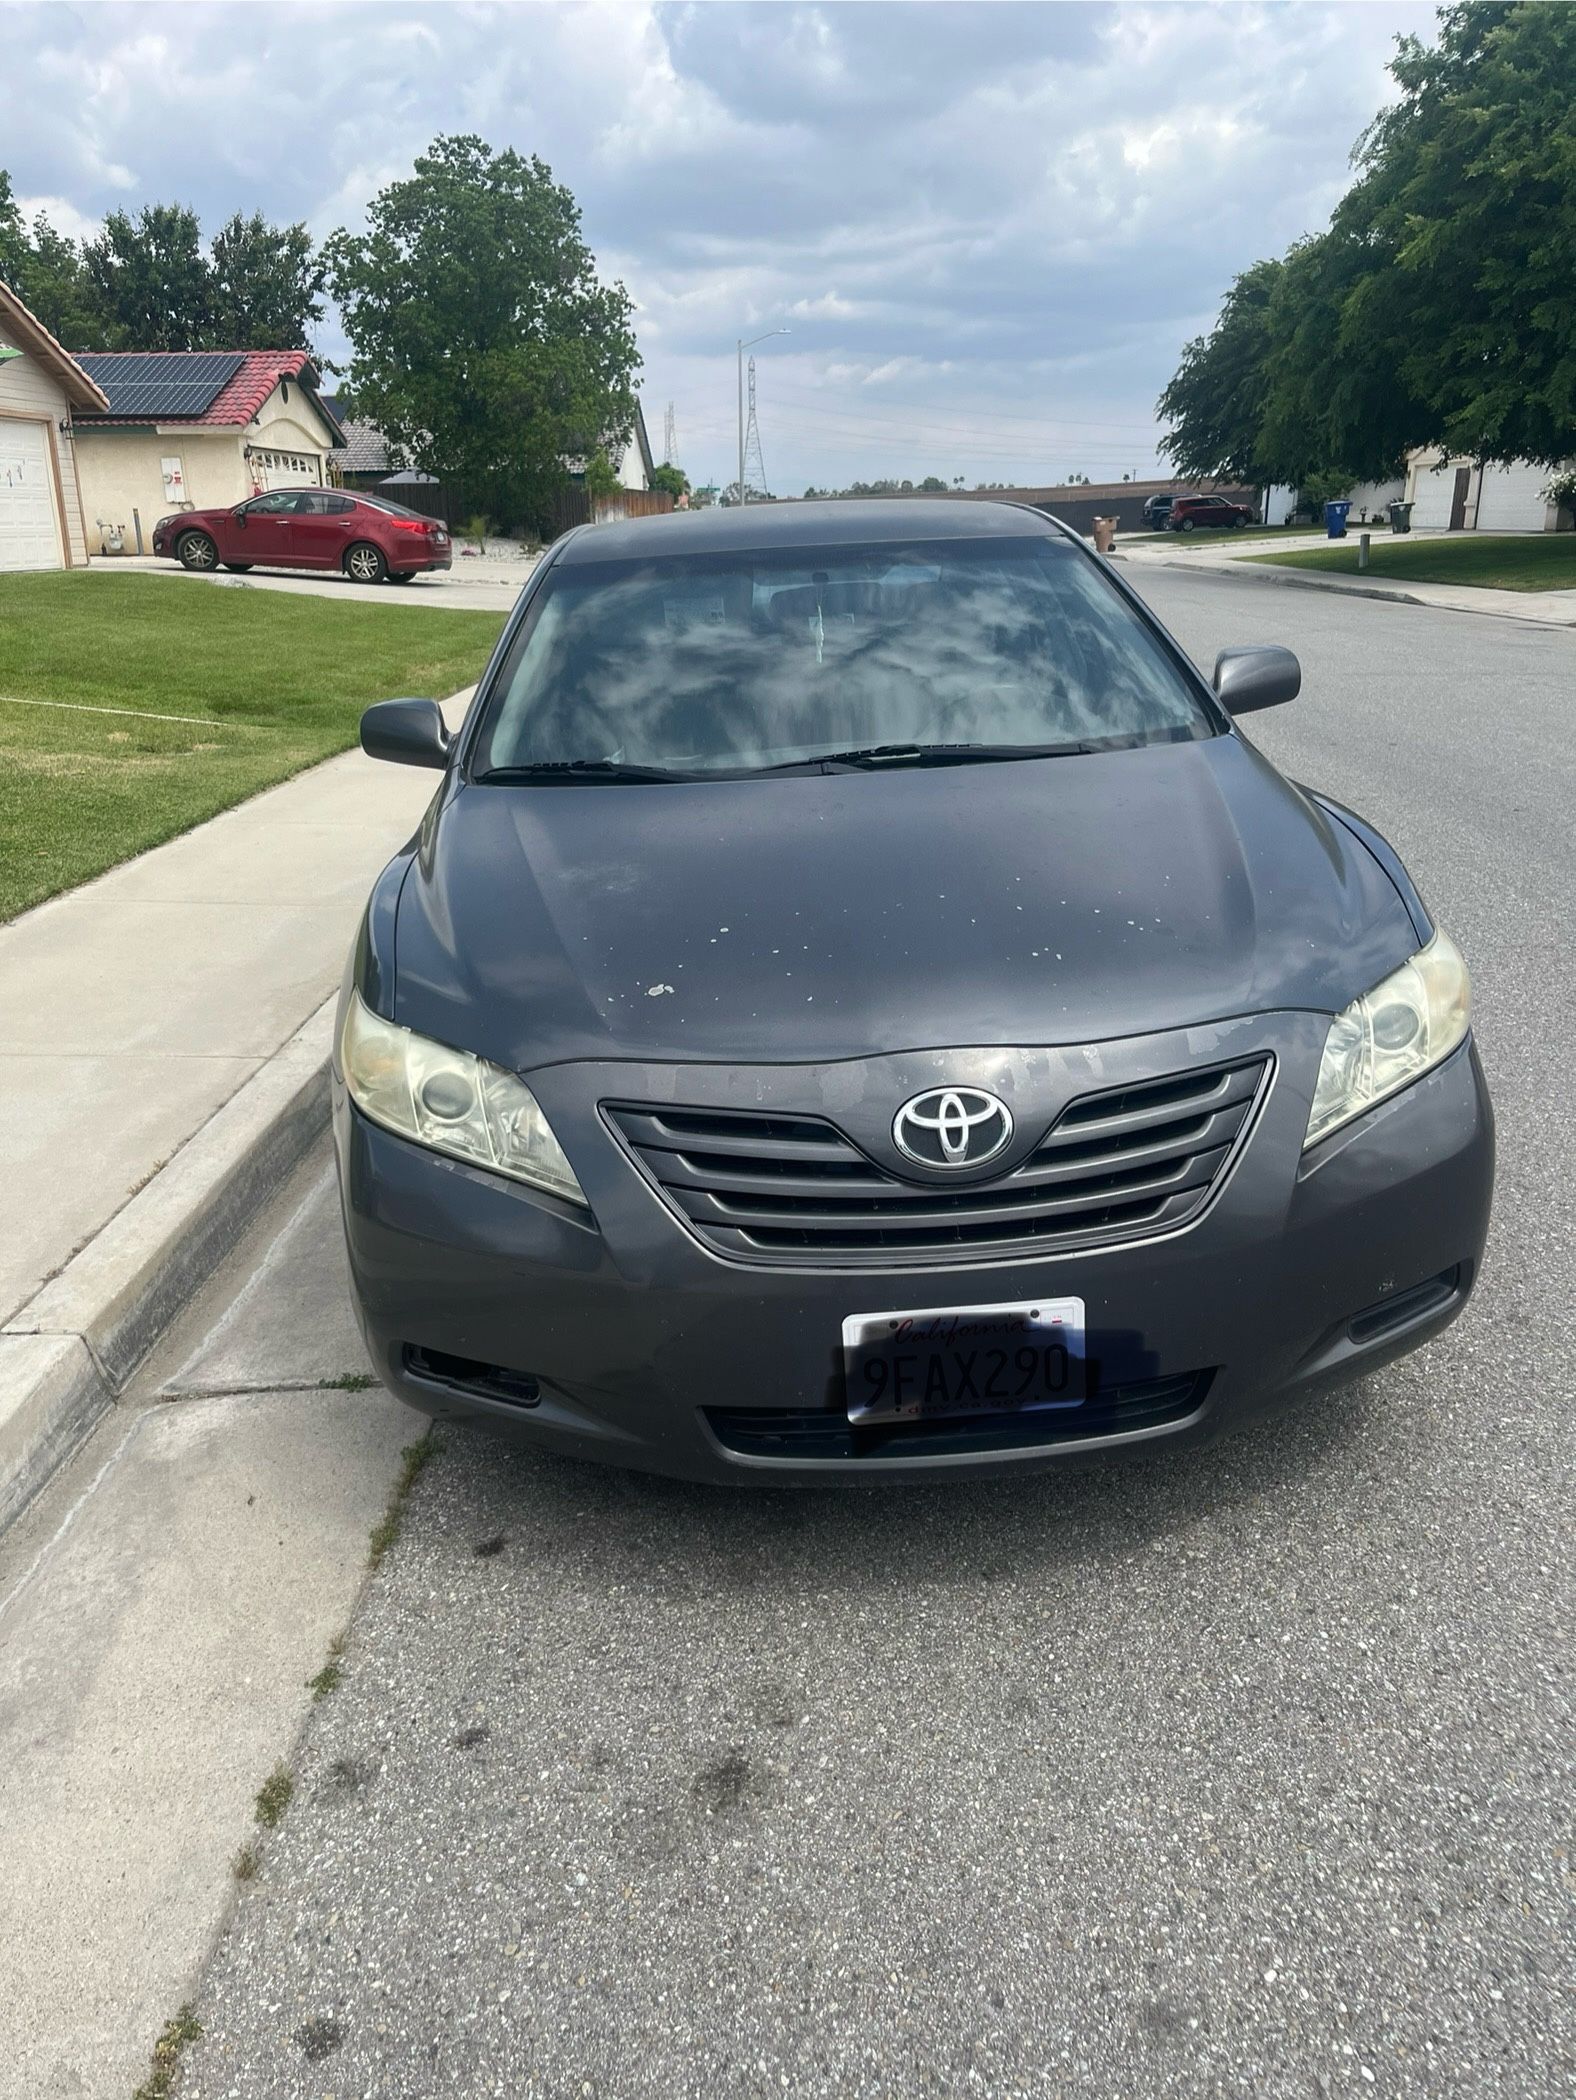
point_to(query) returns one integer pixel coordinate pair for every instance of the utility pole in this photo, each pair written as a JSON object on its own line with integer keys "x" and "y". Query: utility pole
{"x": 669, "y": 434}
{"x": 742, "y": 347}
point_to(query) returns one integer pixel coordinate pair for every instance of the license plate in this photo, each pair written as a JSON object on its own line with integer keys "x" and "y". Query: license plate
{"x": 964, "y": 1360}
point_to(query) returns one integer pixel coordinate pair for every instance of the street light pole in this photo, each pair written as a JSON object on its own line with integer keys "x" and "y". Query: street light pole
{"x": 743, "y": 346}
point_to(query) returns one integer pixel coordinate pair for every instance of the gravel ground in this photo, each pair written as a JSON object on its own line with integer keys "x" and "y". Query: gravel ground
{"x": 1237, "y": 1772}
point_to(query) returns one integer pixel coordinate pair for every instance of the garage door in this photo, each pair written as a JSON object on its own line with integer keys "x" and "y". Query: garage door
{"x": 1512, "y": 499}
{"x": 29, "y": 529}
{"x": 1432, "y": 497}
{"x": 287, "y": 470}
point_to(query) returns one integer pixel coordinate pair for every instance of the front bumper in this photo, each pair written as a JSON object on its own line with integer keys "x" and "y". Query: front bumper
{"x": 630, "y": 1341}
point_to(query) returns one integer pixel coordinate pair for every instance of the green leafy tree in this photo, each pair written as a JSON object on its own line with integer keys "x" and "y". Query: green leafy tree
{"x": 1214, "y": 407}
{"x": 46, "y": 271}
{"x": 1465, "y": 220}
{"x": 266, "y": 286}
{"x": 601, "y": 476}
{"x": 673, "y": 481}
{"x": 153, "y": 280}
{"x": 933, "y": 485}
{"x": 483, "y": 342}
{"x": 1440, "y": 306}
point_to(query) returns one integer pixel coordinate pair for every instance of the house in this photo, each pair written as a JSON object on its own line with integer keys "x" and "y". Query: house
{"x": 42, "y": 388}
{"x": 196, "y": 429}
{"x": 1455, "y": 494}
{"x": 366, "y": 459}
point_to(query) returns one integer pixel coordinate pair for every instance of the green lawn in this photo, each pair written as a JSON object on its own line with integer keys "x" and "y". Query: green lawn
{"x": 1501, "y": 561}
{"x": 267, "y": 682}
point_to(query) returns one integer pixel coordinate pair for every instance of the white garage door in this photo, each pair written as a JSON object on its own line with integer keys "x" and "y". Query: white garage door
{"x": 287, "y": 470}
{"x": 1435, "y": 491}
{"x": 1511, "y": 499}
{"x": 29, "y": 529}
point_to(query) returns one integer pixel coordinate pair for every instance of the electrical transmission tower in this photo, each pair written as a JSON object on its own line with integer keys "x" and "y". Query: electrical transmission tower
{"x": 670, "y": 436}
{"x": 752, "y": 446}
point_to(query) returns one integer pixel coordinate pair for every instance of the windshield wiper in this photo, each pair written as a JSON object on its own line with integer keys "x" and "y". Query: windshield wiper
{"x": 592, "y": 769}
{"x": 874, "y": 755}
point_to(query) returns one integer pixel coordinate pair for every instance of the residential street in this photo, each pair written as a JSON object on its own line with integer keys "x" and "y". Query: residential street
{"x": 1246, "y": 1771}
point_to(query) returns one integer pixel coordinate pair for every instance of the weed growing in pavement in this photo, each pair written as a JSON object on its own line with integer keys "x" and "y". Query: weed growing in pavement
{"x": 332, "y": 1675}
{"x": 352, "y": 1382}
{"x": 273, "y": 1796}
{"x": 387, "y": 1528}
{"x": 184, "y": 2028}
{"x": 246, "y": 1862}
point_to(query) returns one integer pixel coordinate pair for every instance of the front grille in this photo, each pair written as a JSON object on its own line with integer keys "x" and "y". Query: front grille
{"x": 818, "y": 1433}
{"x": 781, "y": 1188}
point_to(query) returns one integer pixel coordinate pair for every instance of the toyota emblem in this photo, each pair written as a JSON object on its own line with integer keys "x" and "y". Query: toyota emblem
{"x": 952, "y": 1126}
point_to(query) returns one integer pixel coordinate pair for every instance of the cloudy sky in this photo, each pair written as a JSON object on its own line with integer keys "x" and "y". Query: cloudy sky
{"x": 988, "y": 228}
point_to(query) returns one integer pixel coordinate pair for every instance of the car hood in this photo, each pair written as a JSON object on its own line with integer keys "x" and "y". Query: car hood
{"x": 817, "y": 917}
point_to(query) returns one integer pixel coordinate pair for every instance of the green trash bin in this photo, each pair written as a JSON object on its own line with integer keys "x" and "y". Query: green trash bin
{"x": 1400, "y": 517}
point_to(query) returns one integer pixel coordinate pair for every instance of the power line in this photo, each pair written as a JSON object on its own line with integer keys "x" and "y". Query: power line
{"x": 818, "y": 397}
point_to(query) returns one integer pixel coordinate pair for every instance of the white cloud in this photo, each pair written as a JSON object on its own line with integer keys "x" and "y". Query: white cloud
{"x": 989, "y": 228}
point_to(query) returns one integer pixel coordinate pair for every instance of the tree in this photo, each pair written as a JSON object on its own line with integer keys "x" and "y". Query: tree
{"x": 601, "y": 476}
{"x": 1215, "y": 404}
{"x": 46, "y": 271}
{"x": 672, "y": 480}
{"x": 152, "y": 279}
{"x": 1440, "y": 306}
{"x": 1467, "y": 204}
{"x": 933, "y": 485}
{"x": 483, "y": 343}
{"x": 266, "y": 286}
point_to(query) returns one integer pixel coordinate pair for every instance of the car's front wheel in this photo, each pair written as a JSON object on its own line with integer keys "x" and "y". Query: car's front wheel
{"x": 195, "y": 550}
{"x": 364, "y": 563}
{"x": 1187, "y": 525}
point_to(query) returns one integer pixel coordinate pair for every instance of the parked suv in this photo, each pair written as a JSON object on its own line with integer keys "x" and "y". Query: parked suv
{"x": 1156, "y": 511}
{"x": 368, "y": 538}
{"x": 1189, "y": 513}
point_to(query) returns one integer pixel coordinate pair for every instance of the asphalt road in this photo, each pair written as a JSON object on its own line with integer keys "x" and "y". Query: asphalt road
{"x": 1242, "y": 1772}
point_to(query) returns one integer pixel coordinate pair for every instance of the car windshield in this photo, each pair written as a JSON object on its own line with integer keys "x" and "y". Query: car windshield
{"x": 939, "y": 652}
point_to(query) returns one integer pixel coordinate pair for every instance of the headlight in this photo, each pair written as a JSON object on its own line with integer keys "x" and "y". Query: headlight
{"x": 451, "y": 1101}
{"x": 1392, "y": 1034}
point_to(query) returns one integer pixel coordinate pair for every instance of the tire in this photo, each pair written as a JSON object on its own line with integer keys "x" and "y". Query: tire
{"x": 196, "y": 551}
{"x": 1187, "y": 525}
{"x": 239, "y": 568}
{"x": 364, "y": 563}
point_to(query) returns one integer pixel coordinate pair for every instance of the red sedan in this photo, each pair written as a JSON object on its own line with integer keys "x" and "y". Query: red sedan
{"x": 367, "y": 538}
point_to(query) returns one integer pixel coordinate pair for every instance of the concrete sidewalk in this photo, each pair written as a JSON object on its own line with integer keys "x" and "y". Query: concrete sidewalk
{"x": 1542, "y": 608}
{"x": 159, "y": 1077}
{"x": 135, "y": 1006}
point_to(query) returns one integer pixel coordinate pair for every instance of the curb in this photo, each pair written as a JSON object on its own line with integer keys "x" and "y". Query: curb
{"x": 1291, "y": 580}
{"x": 1249, "y": 566}
{"x": 67, "y": 1355}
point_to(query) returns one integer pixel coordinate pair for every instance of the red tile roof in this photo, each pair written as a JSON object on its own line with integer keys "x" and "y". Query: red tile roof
{"x": 239, "y": 399}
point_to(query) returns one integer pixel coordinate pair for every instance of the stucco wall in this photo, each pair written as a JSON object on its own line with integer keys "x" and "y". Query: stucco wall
{"x": 26, "y": 389}
{"x": 121, "y": 472}
{"x": 121, "y": 469}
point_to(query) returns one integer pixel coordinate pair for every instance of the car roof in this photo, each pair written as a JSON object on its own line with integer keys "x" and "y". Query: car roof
{"x": 829, "y": 523}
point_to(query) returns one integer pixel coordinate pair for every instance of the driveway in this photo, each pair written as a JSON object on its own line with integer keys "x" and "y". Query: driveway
{"x": 481, "y": 583}
{"x": 1243, "y": 1771}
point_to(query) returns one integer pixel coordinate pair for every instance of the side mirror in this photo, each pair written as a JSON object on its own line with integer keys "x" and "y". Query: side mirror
{"x": 1260, "y": 675}
{"x": 238, "y": 517}
{"x": 406, "y": 732}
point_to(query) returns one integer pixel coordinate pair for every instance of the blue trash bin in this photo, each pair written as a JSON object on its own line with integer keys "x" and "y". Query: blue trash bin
{"x": 1335, "y": 520}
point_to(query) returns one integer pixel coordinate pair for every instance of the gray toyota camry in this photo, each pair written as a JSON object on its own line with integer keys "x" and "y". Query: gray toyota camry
{"x": 857, "y": 1003}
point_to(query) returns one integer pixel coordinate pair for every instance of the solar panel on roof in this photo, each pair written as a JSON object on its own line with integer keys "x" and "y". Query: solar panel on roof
{"x": 163, "y": 383}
